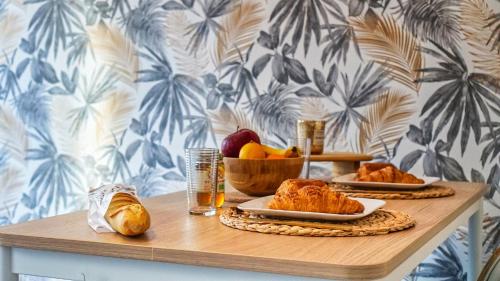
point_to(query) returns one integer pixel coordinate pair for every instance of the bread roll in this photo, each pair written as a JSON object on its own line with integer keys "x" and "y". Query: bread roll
{"x": 126, "y": 215}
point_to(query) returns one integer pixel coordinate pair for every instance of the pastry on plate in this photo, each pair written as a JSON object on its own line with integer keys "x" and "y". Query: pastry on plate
{"x": 368, "y": 168}
{"x": 312, "y": 196}
{"x": 385, "y": 172}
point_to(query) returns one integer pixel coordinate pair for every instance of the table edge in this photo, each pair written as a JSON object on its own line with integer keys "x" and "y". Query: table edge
{"x": 398, "y": 259}
{"x": 68, "y": 246}
{"x": 273, "y": 265}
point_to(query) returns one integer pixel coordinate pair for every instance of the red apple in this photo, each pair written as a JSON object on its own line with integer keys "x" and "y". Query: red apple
{"x": 232, "y": 144}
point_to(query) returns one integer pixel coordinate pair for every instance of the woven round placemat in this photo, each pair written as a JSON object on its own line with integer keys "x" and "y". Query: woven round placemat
{"x": 380, "y": 222}
{"x": 433, "y": 191}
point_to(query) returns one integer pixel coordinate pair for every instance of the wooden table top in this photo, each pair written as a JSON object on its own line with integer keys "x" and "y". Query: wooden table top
{"x": 341, "y": 157}
{"x": 178, "y": 237}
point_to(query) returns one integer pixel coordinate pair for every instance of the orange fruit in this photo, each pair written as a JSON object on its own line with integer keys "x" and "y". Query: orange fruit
{"x": 275, "y": 156}
{"x": 252, "y": 150}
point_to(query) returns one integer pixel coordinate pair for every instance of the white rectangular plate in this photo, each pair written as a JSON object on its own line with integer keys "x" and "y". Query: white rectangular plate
{"x": 350, "y": 179}
{"x": 259, "y": 206}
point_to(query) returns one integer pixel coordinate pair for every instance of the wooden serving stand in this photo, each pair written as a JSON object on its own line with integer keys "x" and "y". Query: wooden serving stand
{"x": 343, "y": 163}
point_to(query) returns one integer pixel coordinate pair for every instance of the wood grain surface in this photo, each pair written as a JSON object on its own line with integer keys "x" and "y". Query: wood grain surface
{"x": 341, "y": 157}
{"x": 178, "y": 237}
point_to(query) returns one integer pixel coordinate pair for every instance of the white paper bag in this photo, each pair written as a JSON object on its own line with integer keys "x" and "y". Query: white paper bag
{"x": 99, "y": 199}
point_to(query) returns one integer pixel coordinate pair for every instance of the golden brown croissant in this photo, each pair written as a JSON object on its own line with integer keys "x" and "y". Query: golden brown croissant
{"x": 390, "y": 174}
{"x": 126, "y": 215}
{"x": 368, "y": 168}
{"x": 312, "y": 196}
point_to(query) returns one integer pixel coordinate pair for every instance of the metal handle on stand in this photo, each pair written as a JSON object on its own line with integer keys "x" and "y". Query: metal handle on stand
{"x": 308, "y": 157}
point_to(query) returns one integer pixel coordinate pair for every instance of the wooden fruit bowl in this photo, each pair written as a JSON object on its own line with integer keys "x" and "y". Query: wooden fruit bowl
{"x": 261, "y": 177}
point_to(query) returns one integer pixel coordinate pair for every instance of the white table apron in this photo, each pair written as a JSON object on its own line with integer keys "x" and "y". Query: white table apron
{"x": 79, "y": 267}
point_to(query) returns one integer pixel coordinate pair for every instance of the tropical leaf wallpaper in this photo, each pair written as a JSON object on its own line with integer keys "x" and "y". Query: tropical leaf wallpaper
{"x": 95, "y": 91}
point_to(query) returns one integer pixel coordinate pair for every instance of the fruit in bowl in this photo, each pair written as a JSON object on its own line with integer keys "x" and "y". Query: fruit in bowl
{"x": 260, "y": 177}
{"x": 252, "y": 150}
{"x": 257, "y": 169}
{"x": 233, "y": 143}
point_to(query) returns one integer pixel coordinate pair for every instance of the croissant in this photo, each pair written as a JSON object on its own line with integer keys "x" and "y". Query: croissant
{"x": 126, "y": 215}
{"x": 312, "y": 196}
{"x": 390, "y": 174}
{"x": 368, "y": 168}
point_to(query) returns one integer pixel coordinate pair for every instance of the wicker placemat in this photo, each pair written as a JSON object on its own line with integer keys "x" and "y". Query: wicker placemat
{"x": 433, "y": 191}
{"x": 380, "y": 222}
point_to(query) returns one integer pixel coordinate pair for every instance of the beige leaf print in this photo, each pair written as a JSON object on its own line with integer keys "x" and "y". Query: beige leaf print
{"x": 240, "y": 29}
{"x": 474, "y": 21}
{"x": 392, "y": 46}
{"x": 12, "y": 26}
{"x": 195, "y": 64}
{"x": 112, "y": 48}
{"x": 387, "y": 121}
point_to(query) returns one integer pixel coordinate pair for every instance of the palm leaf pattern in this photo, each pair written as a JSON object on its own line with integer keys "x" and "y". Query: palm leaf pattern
{"x": 122, "y": 6}
{"x": 145, "y": 25}
{"x": 284, "y": 66}
{"x": 392, "y": 46}
{"x": 79, "y": 47}
{"x": 33, "y": 107}
{"x": 54, "y": 20}
{"x": 199, "y": 31}
{"x": 241, "y": 78}
{"x": 13, "y": 146}
{"x": 226, "y": 122}
{"x": 199, "y": 131}
{"x": 116, "y": 112}
{"x": 112, "y": 48}
{"x": 462, "y": 100}
{"x": 356, "y": 7}
{"x": 494, "y": 24}
{"x": 436, "y": 160}
{"x": 116, "y": 159}
{"x": 277, "y": 108}
{"x": 9, "y": 82}
{"x": 149, "y": 182}
{"x": 384, "y": 128}
{"x": 13, "y": 182}
{"x": 13, "y": 134}
{"x": 313, "y": 108}
{"x": 57, "y": 176}
{"x": 12, "y": 26}
{"x": 492, "y": 140}
{"x": 338, "y": 41}
{"x": 306, "y": 15}
{"x": 446, "y": 265}
{"x": 436, "y": 20}
{"x": 170, "y": 99}
{"x": 492, "y": 228}
{"x": 93, "y": 90}
{"x": 153, "y": 152}
{"x": 239, "y": 30}
{"x": 474, "y": 22}
{"x": 363, "y": 90}
{"x": 184, "y": 62}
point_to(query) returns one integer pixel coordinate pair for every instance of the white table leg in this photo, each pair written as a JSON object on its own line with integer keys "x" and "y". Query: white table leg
{"x": 475, "y": 248}
{"x": 6, "y": 265}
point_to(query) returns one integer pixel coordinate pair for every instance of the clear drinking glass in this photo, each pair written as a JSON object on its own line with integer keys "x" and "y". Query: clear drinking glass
{"x": 201, "y": 169}
{"x": 304, "y": 145}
